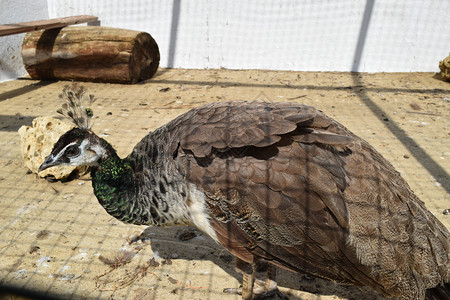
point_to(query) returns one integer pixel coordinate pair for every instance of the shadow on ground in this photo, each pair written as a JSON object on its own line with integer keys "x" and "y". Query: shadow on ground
{"x": 166, "y": 242}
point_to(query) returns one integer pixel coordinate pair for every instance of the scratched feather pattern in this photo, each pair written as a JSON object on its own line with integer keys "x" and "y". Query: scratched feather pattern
{"x": 287, "y": 183}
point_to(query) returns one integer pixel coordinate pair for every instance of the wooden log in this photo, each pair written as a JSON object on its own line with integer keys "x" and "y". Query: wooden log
{"x": 90, "y": 53}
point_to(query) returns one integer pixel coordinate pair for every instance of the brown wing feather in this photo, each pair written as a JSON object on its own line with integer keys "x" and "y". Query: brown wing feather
{"x": 236, "y": 124}
{"x": 289, "y": 184}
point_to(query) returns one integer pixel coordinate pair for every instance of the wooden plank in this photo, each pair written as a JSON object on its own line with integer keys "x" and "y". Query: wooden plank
{"x": 8, "y": 29}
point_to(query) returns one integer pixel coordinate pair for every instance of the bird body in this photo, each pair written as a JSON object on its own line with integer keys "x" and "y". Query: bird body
{"x": 277, "y": 182}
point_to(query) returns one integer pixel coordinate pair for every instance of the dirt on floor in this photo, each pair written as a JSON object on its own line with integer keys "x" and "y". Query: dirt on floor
{"x": 56, "y": 239}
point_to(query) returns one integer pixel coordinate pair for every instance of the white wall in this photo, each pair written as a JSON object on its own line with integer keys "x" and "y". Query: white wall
{"x": 16, "y": 11}
{"x": 307, "y": 35}
{"x": 314, "y": 35}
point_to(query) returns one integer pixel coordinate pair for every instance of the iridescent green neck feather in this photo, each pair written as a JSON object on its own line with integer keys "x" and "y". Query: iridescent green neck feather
{"x": 112, "y": 181}
{"x": 133, "y": 196}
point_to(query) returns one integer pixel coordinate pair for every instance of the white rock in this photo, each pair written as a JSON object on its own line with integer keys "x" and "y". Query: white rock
{"x": 37, "y": 142}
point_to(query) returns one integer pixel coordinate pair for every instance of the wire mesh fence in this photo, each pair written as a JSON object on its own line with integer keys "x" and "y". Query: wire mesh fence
{"x": 55, "y": 238}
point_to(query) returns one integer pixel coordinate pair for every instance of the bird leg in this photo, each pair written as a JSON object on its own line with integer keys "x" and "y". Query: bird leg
{"x": 248, "y": 282}
{"x": 253, "y": 288}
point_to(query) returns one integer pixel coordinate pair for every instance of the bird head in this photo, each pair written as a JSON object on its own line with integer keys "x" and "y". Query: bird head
{"x": 77, "y": 147}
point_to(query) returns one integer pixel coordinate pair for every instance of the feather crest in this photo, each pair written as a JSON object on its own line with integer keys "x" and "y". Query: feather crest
{"x": 76, "y": 104}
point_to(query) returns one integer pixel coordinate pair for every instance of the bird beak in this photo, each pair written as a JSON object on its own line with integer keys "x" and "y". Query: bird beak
{"x": 48, "y": 162}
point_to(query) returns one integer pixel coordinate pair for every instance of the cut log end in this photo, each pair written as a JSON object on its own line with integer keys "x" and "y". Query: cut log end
{"x": 144, "y": 61}
{"x": 91, "y": 53}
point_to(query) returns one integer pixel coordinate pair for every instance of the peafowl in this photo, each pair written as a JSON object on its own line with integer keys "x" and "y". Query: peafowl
{"x": 276, "y": 184}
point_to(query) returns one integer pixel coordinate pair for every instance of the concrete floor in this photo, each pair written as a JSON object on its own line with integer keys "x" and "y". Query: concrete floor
{"x": 52, "y": 234}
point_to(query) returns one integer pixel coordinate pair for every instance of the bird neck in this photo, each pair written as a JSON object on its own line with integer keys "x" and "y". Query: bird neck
{"x": 113, "y": 185}
{"x": 125, "y": 195}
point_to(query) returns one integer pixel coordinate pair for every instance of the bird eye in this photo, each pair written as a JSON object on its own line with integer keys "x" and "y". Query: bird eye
{"x": 72, "y": 151}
